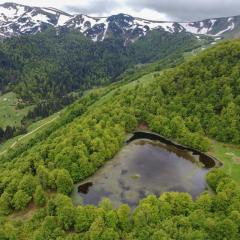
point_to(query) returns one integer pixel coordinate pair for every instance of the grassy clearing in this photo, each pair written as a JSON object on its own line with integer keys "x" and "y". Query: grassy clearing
{"x": 229, "y": 155}
{"x": 9, "y": 114}
{"x": 143, "y": 80}
{"x": 33, "y": 129}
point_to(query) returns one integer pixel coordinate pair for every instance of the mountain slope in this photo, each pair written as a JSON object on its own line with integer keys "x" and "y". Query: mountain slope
{"x": 49, "y": 70}
{"x": 49, "y": 65}
{"x": 18, "y": 19}
{"x": 193, "y": 100}
{"x": 93, "y": 130}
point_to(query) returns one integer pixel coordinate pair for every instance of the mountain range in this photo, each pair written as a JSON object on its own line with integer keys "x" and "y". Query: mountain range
{"x": 16, "y": 19}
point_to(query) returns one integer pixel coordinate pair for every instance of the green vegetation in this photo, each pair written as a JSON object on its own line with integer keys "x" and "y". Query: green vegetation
{"x": 32, "y": 130}
{"x": 172, "y": 216}
{"x": 190, "y": 103}
{"x": 40, "y": 197}
{"x": 229, "y": 156}
{"x": 205, "y": 92}
{"x": 11, "y": 113}
{"x": 38, "y": 78}
{"x": 43, "y": 69}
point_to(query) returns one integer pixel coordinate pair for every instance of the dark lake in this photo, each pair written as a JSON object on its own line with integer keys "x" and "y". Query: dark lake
{"x": 145, "y": 166}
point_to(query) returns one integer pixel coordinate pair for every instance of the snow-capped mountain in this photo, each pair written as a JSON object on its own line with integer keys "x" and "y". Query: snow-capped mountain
{"x": 16, "y": 19}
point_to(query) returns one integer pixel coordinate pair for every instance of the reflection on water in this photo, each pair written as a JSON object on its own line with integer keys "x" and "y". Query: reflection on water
{"x": 141, "y": 168}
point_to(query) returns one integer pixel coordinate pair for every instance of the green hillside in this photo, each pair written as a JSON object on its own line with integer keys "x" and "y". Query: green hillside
{"x": 10, "y": 112}
{"x": 191, "y": 103}
{"x": 30, "y": 133}
{"x": 44, "y": 68}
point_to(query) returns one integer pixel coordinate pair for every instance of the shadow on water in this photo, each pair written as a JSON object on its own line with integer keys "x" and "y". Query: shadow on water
{"x": 206, "y": 160}
{"x": 147, "y": 164}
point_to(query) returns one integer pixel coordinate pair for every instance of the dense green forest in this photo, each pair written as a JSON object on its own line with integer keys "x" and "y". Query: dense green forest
{"x": 49, "y": 65}
{"x": 193, "y": 101}
{"x": 50, "y": 70}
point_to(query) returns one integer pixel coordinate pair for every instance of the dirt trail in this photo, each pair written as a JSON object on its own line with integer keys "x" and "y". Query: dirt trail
{"x": 26, "y": 135}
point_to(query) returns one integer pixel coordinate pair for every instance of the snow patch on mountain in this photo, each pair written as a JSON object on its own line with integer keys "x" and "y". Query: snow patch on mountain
{"x": 195, "y": 29}
{"x": 16, "y": 19}
{"x": 9, "y": 12}
{"x": 229, "y": 28}
{"x": 62, "y": 19}
{"x": 105, "y": 31}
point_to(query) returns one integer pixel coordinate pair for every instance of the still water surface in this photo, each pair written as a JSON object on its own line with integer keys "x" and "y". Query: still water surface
{"x": 143, "y": 167}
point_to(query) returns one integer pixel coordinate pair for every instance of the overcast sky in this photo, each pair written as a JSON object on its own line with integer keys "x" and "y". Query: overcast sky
{"x": 179, "y": 10}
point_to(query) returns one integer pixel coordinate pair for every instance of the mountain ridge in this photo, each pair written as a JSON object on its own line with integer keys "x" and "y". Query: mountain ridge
{"x": 17, "y": 19}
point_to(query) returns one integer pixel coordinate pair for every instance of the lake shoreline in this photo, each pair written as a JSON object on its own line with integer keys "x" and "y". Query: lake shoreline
{"x": 145, "y": 161}
{"x": 139, "y": 134}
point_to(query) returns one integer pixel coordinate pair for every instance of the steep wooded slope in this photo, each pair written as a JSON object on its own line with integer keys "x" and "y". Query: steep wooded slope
{"x": 93, "y": 130}
{"x": 50, "y": 65}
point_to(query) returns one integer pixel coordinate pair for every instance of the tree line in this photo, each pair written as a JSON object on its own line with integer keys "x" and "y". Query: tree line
{"x": 170, "y": 216}
{"x": 189, "y": 103}
{"x": 10, "y": 132}
{"x": 49, "y": 65}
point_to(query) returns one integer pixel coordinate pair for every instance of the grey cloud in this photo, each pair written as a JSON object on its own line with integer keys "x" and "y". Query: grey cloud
{"x": 189, "y": 10}
{"x": 93, "y": 6}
